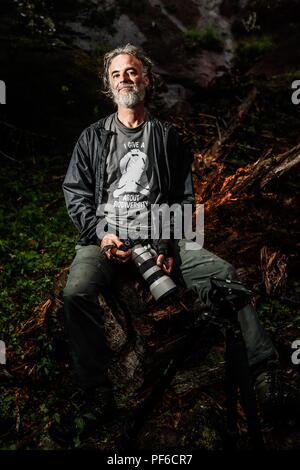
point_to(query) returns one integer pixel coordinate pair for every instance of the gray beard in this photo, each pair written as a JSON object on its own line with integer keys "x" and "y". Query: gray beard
{"x": 131, "y": 98}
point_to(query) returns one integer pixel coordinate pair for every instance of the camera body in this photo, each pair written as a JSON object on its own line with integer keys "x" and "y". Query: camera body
{"x": 159, "y": 283}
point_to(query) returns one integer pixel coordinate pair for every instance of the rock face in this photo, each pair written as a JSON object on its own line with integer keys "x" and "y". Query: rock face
{"x": 163, "y": 28}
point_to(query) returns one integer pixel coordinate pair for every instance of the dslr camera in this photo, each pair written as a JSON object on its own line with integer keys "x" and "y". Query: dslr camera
{"x": 159, "y": 283}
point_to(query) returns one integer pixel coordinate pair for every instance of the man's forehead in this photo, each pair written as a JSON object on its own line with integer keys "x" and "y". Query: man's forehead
{"x": 124, "y": 60}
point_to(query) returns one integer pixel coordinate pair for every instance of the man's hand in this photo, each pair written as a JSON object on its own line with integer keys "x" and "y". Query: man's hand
{"x": 165, "y": 263}
{"x": 163, "y": 260}
{"x": 110, "y": 243}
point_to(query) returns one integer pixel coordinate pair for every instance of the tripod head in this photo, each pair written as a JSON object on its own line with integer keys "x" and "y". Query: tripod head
{"x": 228, "y": 297}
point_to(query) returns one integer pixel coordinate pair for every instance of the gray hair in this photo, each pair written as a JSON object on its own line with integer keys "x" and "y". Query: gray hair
{"x": 146, "y": 62}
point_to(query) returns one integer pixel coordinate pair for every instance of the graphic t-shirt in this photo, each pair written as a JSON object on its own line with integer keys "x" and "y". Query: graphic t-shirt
{"x": 130, "y": 185}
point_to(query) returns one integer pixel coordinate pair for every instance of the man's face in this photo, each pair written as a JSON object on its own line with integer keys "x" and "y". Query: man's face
{"x": 127, "y": 80}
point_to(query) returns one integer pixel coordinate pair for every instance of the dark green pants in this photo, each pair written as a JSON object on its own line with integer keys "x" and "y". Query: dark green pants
{"x": 91, "y": 273}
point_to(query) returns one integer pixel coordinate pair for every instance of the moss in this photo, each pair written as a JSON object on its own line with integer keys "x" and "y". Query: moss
{"x": 207, "y": 38}
{"x": 287, "y": 76}
{"x": 275, "y": 316}
{"x": 32, "y": 249}
{"x": 209, "y": 437}
{"x": 251, "y": 51}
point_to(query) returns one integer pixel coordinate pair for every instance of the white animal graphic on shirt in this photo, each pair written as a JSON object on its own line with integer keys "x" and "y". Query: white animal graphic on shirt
{"x": 134, "y": 179}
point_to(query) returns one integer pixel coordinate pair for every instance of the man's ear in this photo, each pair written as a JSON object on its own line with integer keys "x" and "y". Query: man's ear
{"x": 146, "y": 81}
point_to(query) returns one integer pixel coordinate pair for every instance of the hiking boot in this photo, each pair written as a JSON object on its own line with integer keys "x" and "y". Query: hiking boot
{"x": 276, "y": 399}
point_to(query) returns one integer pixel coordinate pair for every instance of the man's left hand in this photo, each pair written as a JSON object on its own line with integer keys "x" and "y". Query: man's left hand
{"x": 165, "y": 263}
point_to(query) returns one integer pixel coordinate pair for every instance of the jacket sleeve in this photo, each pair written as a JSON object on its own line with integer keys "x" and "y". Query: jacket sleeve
{"x": 79, "y": 191}
{"x": 181, "y": 159}
{"x": 181, "y": 190}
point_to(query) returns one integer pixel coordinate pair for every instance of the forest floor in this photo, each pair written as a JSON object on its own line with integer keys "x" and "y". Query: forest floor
{"x": 244, "y": 132}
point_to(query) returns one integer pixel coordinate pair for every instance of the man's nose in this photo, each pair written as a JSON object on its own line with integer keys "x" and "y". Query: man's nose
{"x": 125, "y": 77}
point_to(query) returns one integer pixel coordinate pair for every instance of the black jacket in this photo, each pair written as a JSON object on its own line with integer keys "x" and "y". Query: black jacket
{"x": 83, "y": 184}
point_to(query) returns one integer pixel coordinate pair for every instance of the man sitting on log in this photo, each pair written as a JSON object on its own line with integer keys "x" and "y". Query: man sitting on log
{"x": 121, "y": 166}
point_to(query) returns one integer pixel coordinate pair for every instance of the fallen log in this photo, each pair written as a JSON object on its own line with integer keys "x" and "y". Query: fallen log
{"x": 267, "y": 169}
{"x": 247, "y": 182}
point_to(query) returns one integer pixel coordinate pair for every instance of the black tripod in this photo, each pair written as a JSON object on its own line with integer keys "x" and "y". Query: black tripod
{"x": 227, "y": 298}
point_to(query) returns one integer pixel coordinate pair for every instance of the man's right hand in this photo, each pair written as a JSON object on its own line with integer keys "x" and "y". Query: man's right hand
{"x": 114, "y": 253}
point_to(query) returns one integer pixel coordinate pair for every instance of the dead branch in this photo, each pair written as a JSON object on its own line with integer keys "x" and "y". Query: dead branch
{"x": 284, "y": 163}
{"x": 37, "y": 320}
{"x": 8, "y": 157}
{"x": 28, "y": 439}
{"x": 255, "y": 177}
{"x": 274, "y": 270}
{"x": 267, "y": 169}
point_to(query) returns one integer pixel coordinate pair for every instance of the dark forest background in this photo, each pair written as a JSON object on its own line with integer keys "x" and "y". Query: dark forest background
{"x": 227, "y": 69}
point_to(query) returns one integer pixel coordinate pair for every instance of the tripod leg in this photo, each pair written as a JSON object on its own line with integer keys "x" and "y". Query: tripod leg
{"x": 231, "y": 394}
{"x": 247, "y": 393}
